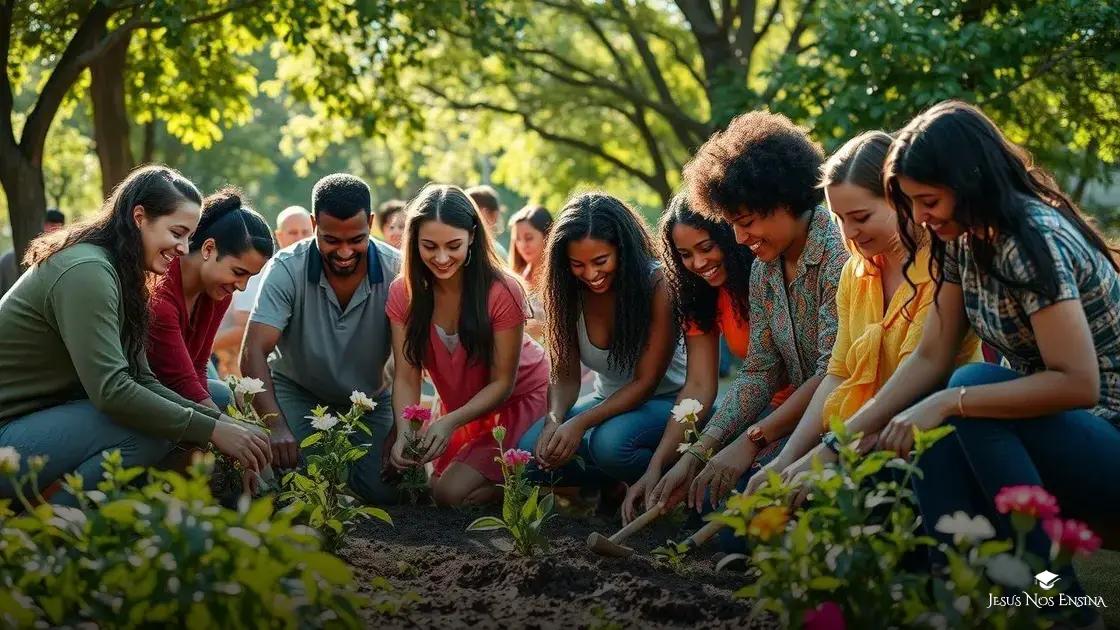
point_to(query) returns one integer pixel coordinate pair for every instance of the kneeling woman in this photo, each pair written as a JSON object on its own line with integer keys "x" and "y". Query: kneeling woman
{"x": 1018, "y": 264}
{"x": 609, "y": 308}
{"x": 455, "y": 313}
{"x": 882, "y": 303}
{"x": 74, "y": 379}
{"x": 231, "y": 244}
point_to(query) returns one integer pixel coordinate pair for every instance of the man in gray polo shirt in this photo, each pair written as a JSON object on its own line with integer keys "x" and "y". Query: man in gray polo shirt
{"x": 322, "y": 306}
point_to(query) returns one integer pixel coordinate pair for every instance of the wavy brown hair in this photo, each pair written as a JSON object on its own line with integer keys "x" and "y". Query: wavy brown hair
{"x": 451, "y": 206}
{"x": 158, "y": 190}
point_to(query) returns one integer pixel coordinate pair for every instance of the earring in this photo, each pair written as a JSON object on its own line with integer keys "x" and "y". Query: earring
{"x": 468, "y": 258}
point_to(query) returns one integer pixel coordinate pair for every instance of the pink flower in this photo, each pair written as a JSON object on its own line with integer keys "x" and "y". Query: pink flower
{"x": 1072, "y": 536}
{"x": 826, "y": 616}
{"x": 515, "y": 457}
{"x": 417, "y": 412}
{"x": 1029, "y": 500}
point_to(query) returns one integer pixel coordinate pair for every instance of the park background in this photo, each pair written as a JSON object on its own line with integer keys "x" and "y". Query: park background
{"x": 540, "y": 98}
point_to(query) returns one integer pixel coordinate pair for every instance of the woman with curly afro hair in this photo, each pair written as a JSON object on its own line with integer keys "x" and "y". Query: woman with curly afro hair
{"x": 709, "y": 279}
{"x": 608, "y": 307}
{"x": 760, "y": 175}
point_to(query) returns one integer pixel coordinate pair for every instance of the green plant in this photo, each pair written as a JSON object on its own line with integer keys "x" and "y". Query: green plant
{"x": 414, "y": 480}
{"x": 164, "y": 553}
{"x": 322, "y": 493}
{"x": 228, "y": 480}
{"x": 672, "y": 555}
{"x": 524, "y": 513}
{"x": 388, "y": 600}
{"x": 850, "y": 545}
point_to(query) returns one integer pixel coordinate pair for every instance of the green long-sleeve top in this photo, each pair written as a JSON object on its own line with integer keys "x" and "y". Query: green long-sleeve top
{"x": 60, "y": 341}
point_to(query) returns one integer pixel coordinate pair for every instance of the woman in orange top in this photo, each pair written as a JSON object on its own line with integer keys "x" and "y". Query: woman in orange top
{"x": 709, "y": 276}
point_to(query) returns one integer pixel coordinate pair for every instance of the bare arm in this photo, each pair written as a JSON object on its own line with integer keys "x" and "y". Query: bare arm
{"x": 406, "y": 379}
{"x": 807, "y": 434}
{"x": 700, "y": 384}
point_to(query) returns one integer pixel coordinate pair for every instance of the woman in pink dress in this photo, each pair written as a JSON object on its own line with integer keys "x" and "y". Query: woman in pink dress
{"x": 455, "y": 313}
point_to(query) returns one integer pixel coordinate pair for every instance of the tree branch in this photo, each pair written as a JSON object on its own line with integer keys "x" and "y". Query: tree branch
{"x": 761, "y": 32}
{"x": 744, "y": 35}
{"x": 6, "y": 99}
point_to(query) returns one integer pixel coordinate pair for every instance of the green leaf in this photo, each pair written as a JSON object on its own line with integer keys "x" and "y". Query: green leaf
{"x": 486, "y": 524}
{"x": 530, "y": 506}
{"x": 377, "y": 513}
{"x": 825, "y": 583}
{"x": 311, "y": 440}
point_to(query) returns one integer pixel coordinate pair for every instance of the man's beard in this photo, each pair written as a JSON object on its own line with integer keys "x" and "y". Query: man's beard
{"x": 344, "y": 271}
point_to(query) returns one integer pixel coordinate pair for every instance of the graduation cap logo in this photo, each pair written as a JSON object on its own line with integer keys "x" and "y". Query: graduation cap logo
{"x": 1047, "y": 580}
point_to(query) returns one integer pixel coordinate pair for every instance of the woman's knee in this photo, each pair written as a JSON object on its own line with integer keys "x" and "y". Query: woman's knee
{"x": 449, "y": 492}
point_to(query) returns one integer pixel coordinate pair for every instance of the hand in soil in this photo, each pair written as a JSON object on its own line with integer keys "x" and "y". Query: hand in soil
{"x": 285, "y": 450}
{"x": 562, "y": 445}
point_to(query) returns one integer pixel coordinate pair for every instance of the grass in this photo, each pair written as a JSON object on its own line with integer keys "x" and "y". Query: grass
{"x": 1100, "y": 575}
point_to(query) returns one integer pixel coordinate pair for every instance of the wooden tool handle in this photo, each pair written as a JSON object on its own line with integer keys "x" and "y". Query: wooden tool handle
{"x": 703, "y": 535}
{"x": 645, "y": 519}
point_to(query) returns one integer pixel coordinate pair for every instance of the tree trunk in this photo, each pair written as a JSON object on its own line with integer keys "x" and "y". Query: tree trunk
{"x": 110, "y": 116}
{"x": 26, "y": 196}
{"x": 149, "y": 142}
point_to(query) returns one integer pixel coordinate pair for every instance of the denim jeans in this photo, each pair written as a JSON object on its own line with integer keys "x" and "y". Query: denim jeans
{"x": 1073, "y": 454}
{"x": 73, "y": 437}
{"x": 619, "y": 449}
{"x": 365, "y": 480}
{"x": 220, "y": 393}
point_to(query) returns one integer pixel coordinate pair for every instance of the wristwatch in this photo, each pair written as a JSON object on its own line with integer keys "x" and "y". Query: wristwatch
{"x": 832, "y": 442}
{"x": 757, "y": 437}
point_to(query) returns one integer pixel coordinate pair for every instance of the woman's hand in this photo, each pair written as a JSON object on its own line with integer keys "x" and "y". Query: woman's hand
{"x": 721, "y": 475}
{"x": 762, "y": 475}
{"x": 397, "y": 455}
{"x": 640, "y": 492}
{"x": 246, "y": 444}
{"x": 562, "y": 444}
{"x": 435, "y": 439}
{"x": 673, "y": 486}
{"x": 930, "y": 413}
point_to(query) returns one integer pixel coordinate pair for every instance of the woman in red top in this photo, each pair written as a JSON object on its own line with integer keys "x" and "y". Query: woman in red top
{"x": 455, "y": 313}
{"x": 231, "y": 244}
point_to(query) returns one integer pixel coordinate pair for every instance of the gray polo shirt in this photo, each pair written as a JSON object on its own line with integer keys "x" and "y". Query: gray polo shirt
{"x": 323, "y": 349}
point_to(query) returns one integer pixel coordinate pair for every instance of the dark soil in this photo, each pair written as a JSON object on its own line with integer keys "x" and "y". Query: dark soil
{"x": 475, "y": 580}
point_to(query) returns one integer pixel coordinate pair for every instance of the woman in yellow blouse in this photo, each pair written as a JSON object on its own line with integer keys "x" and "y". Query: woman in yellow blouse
{"x": 880, "y": 311}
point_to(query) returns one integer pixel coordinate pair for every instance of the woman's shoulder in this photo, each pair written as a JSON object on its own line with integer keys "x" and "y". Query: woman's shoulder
{"x": 507, "y": 285}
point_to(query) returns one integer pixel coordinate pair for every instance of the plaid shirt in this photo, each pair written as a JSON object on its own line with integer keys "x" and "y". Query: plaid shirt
{"x": 1000, "y": 313}
{"x": 792, "y": 331}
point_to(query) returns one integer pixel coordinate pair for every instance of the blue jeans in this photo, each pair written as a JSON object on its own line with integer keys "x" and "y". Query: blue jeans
{"x": 73, "y": 437}
{"x": 619, "y": 449}
{"x": 365, "y": 480}
{"x": 220, "y": 393}
{"x": 1073, "y": 454}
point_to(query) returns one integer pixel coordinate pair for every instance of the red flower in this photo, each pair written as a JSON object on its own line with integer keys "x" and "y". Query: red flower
{"x": 1072, "y": 536}
{"x": 1029, "y": 500}
{"x": 826, "y": 616}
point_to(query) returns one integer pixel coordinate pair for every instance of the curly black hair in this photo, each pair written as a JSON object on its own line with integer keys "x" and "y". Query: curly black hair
{"x": 341, "y": 196}
{"x": 601, "y": 217}
{"x": 761, "y": 163}
{"x": 694, "y": 300}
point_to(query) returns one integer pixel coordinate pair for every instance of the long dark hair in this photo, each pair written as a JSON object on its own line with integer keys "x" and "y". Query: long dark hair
{"x": 694, "y": 300}
{"x": 953, "y": 144}
{"x": 451, "y": 206}
{"x": 541, "y": 219}
{"x": 159, "y": 190}
{"x": 604, "y": 218}
{"x": 233, "y": 225}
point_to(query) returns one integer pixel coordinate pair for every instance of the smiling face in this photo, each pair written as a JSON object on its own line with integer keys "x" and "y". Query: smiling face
{"x": 343, "y": 243}
{"x": 866, "y": 220}
{"x": 932, "y": 206}
{"x": 594, "y": 263}
{"x": 167, "y": 237}
{"x": 443, "y": 248}
{"x": 394, "y": 229}
{"x": 700, "y": 254}
{"x": 766, "y": 236}
{"x": 222, "y": 275}
{"x": 294, "y": 229}
{"x": 529, "y": 242}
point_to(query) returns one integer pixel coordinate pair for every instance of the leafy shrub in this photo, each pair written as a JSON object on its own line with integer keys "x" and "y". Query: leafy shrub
{"x": 524, "y": 513}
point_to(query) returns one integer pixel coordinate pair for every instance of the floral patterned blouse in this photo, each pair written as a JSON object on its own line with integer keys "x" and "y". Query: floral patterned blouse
{"x": 1000, "y": 312}
{"x": 792, "y": 329}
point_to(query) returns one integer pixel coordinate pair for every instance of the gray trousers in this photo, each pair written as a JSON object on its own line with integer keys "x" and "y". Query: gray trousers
{"x": 73, "y": 437}
{"x": 365, "y": 480}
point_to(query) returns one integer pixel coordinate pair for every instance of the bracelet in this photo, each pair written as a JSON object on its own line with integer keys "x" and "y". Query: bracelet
{"x": 831, "y": 442}
{"x": 960, "y": 402}
{"x": 704, "y": 459}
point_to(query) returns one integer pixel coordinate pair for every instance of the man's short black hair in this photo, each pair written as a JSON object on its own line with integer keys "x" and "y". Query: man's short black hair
{"x": 341, "y": 196}
{"x": 54, "y": 215}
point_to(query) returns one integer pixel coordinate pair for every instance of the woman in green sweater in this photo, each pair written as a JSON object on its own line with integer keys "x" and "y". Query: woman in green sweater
{"x": 74, "y": 378}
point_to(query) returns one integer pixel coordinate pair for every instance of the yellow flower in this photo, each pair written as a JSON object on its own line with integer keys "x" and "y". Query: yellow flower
{"x": 768, "y": 522}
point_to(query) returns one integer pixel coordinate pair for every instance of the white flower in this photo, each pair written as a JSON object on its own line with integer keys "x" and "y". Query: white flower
{"x": 323, "y": 422}
{"x": 962, "y": 526}
{"x": 682, "y": 447}
{"x": 1010, "y": 571}
{"x": 249, "y": 386}
{"x": 359, "y": 399}
{"x": 687, "y": 410}
{"x": 9, "y": 460}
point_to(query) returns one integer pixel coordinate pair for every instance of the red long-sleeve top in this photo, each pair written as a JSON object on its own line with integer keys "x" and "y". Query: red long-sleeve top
{"x": 180, "y": 343}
